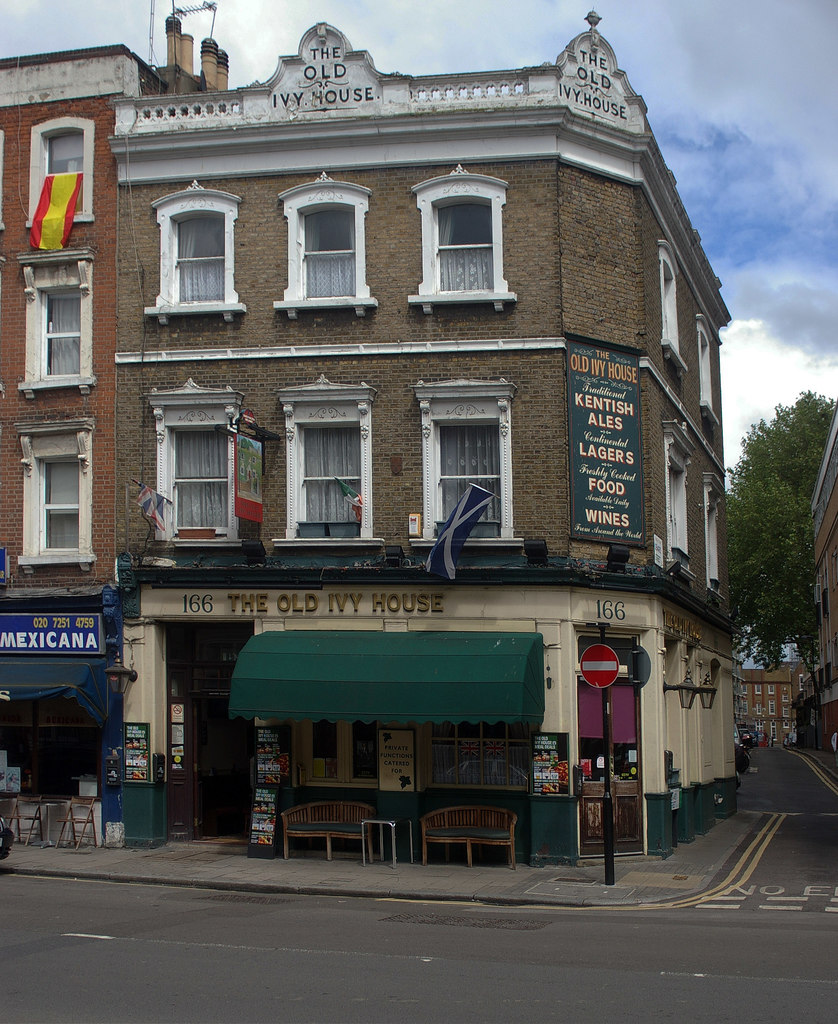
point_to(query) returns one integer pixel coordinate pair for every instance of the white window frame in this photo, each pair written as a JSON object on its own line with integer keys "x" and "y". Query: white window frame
{"x": 713, "y": 494}
{"x": 705, "y": 369}
{"x": 193, "y": 407}
{"x": 669, "y": 307}
{"x": 319, "y": 404}
{"x": 43, "y": 443}
{"x": 38, "y": 154}
{"x": 678, "y": 450}
{"x": 45, "y": 273}
{"x": 298, "y": 202}
{"x": 171, "y": 210}
{"x": 464, "y": 401}
{"x": 458, "y": 187}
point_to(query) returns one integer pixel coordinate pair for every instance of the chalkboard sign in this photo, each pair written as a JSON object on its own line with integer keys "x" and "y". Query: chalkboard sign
{"x": 263, "y": 823}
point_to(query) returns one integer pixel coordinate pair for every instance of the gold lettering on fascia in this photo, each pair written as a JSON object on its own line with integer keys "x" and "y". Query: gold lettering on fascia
{"x": 308, "y": 602}
{"x": 682, "y": 626}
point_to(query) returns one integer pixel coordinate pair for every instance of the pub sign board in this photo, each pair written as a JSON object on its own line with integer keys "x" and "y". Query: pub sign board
{"x": 606, "y": 470}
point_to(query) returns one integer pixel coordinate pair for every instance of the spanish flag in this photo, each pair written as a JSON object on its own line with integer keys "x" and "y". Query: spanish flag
{"x": 56, "y": 208}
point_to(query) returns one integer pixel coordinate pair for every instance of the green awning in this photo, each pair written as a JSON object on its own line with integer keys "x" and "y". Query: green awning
{"x": 391, "y": 677}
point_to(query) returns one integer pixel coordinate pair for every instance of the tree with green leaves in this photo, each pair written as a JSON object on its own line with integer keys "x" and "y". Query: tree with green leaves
{"x": 771, "y": 551}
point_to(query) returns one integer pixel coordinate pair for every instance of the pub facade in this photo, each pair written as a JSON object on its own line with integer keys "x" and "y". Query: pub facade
{"x": 360, "y": 293}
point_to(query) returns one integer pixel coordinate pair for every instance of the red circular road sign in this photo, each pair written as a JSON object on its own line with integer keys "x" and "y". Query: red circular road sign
{"x": 600, "y": 665}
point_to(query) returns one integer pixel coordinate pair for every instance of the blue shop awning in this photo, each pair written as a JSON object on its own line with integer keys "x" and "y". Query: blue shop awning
{"x": 390, "y": 677}
{"x": 84, "y": 681}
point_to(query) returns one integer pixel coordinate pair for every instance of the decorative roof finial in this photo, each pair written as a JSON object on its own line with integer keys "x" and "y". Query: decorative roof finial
{"x": 593, "y": 19}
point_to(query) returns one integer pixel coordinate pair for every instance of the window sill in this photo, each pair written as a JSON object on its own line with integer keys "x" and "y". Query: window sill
{"x": 328, "y": 542}
{"x": 228, "y": 310}
{"x": 427, "y": 302}
{"x": 670, "y": 351}
{"x": 473, "y": 542}
{"x": 360, "y": 305}
{"x": 29, "y": 563}
{"x": 707, "y": 412}
{"x": 201, "y": 542}
{"x": 29, "y": 387}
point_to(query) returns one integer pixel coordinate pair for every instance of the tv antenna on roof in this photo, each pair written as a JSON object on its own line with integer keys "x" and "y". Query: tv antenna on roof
{"x": 207, "y": 5}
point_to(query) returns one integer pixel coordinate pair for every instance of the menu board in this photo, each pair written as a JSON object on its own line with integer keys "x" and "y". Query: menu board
{"x": 272, "y": 755}
{"x": 263, "y": 822}
{"x": 137, "y": 758}
{"x": 549, "y": 764}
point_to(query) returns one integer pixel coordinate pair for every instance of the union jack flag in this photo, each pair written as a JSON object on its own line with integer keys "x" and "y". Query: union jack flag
{"x": 469, "y": 748}
{"x": 495, "y": 749}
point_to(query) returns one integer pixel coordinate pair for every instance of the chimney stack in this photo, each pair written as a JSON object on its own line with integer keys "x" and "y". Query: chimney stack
{"x": 209, "y": 63}
{"x": 173, "y": 32}
{"x": 223, "y": 74}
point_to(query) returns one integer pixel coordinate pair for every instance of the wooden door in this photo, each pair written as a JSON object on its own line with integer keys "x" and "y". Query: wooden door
{"x": 623, "y": 746}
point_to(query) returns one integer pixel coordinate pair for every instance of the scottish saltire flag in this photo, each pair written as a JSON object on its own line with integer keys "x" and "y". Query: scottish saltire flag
{"x": 153, "y": 504}
{"x": 442, "y": 561}
{"x": 352, "y": 497}
{"x": 56, "y": 209}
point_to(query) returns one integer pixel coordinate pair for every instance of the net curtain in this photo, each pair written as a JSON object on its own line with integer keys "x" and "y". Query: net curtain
{"x": 201, "y": 478}
{"x": 465, "y": 247}
{"x": 330, "y": 452}
{"x": 330, "y": 253}
{"x": 469, "y": 455}
{"x": 201, "y": 258}
{"x": 63, "y": 334}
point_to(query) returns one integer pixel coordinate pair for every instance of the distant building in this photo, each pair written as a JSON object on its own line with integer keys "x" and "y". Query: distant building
{"x": 768, "y": 705}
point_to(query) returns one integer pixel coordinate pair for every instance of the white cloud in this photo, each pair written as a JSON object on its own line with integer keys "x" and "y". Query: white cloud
{"x": 760, "y": 372}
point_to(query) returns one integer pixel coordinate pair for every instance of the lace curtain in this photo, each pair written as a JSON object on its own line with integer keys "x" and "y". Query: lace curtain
{"x": 330, "y": 253}
{"x": 201, "y": 259}
{"x": 65, "y": 153}
{"x": 469, "y": 455}
{"x": 465, "y": 248}
{"x": 201, "y": 478}
{"x": 63, "y": 334}
{"x": 61, "y": 504}
{"x": 330, "y": 452}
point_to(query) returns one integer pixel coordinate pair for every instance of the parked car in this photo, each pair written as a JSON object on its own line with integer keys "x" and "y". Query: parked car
{"x": 7, "y": 837}
{"x": 742, "y": 759}
{"x": 748, "y": 737}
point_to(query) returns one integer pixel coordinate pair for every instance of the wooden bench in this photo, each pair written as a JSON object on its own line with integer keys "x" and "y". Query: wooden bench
{"x": 474, "y": 826}
{"x": 339, "y": 819}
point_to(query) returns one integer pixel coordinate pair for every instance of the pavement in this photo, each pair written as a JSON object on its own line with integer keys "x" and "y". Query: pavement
{"x": 692, "y": 869}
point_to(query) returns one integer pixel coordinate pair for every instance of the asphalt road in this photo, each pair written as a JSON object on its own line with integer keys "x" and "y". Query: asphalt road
{"x": 90, "y": 951}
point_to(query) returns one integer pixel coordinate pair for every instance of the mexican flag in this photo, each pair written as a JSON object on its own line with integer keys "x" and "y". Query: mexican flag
{"x": 353, "y": 497}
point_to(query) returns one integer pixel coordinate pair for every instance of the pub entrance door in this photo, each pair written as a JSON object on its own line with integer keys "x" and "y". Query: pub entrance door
{"x": 623, "y": 747}
{"x": 209, "y": 755}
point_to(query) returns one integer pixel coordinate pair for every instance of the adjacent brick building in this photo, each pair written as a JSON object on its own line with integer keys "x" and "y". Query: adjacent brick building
{"x": 59, "y": 607}
{"x": 410, "y": 285}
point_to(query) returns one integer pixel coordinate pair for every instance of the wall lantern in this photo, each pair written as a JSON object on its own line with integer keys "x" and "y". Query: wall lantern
{"x": 707, "y": 692}
{"x": 686, "y": 691}
{"x": 120, "y": 677}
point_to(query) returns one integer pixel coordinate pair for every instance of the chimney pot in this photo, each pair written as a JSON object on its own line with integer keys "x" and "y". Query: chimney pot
{"x": 223, "y": 71}
{"x": 209, "y": 62}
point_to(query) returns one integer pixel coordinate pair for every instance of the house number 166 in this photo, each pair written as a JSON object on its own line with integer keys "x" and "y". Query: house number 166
{"x": 610, "y": 610}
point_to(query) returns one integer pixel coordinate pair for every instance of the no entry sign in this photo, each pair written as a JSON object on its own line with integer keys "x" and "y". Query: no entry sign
{"x": 600, "y": 665}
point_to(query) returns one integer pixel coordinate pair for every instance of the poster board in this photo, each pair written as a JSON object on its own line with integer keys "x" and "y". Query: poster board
{"x": 263, "y": 823}
{"x": 550, "y": 769}
{"x": 396, "y": 760}
{"x": 273, "y": 755}
{"x": 136, "y": 757}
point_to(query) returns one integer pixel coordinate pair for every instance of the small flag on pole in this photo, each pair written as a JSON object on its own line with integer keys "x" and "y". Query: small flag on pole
{"x": 442, "y": 561}
{"x": 56, "y": 209}
{"x": 353, "y": 497}
{"x": 153, "y": 504}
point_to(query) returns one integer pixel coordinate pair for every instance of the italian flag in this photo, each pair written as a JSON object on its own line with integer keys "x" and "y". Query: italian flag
{"x": 353, "y": 497}
{"x": 53, "y": 218}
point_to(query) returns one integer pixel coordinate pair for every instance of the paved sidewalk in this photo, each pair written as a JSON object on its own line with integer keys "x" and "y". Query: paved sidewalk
{"x": 638, "y": 880}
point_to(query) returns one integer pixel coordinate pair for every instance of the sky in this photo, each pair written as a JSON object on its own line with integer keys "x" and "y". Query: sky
{"x": 740, "y": 97}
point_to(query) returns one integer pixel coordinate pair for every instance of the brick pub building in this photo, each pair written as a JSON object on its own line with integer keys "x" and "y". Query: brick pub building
{"x": 409, "y": 285}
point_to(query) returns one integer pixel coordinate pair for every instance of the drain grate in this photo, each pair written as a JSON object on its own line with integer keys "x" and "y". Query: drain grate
{"x": 502, "y": 923}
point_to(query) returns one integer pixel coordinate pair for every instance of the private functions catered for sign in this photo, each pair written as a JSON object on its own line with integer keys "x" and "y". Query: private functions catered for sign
{"x": 605, "y": 453}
